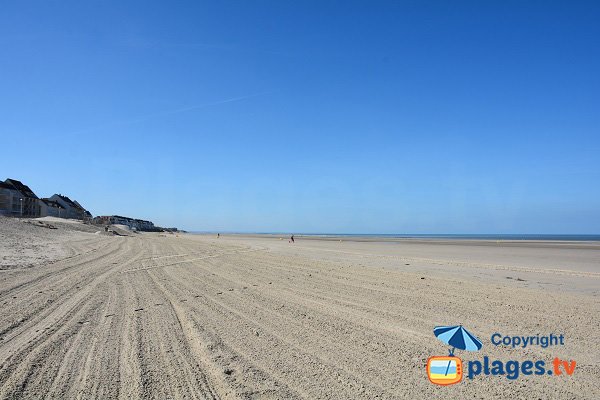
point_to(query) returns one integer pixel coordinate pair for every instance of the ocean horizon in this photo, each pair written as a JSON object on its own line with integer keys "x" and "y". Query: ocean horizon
{"x": 475, "y": 236}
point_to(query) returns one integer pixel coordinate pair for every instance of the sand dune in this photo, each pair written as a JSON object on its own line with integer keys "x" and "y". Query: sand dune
{"x": 188, "y": 316}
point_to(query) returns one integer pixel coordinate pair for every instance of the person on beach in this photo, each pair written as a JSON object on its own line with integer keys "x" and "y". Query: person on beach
{"x": 218, "y": 235}
{"x": 292, "y": 239}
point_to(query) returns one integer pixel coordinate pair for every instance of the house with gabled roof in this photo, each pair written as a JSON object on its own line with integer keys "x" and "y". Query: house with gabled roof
{"x": 17, "y": 199}
{"x": 72, "y": 209}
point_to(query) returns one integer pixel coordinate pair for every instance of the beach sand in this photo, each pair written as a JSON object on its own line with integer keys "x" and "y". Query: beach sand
{"x": 89, "y": 315}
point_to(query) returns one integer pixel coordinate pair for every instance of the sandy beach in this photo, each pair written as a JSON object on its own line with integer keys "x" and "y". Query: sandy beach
{"x": 85, "y": 314}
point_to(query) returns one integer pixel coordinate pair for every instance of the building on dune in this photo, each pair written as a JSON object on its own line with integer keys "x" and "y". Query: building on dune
{"x": 72, "y": 209}
{"x": 18, "y": 200}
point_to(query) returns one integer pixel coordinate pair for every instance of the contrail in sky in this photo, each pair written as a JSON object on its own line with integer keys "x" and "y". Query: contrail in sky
{"x": 171, "y": 112}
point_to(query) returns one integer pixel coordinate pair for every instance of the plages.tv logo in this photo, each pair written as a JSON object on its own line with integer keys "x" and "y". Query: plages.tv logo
{"x": 448, "y": 370}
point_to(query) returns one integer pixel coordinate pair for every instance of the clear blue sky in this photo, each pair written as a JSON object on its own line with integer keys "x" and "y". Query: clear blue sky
{"x": 371, "y": 117}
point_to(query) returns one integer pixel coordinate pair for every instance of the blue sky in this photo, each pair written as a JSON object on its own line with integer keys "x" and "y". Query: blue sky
{"x": 370, "y": 117}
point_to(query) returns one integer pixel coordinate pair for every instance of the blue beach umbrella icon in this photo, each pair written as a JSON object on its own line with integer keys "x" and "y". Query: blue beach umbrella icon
{"x": 457, "y": 337}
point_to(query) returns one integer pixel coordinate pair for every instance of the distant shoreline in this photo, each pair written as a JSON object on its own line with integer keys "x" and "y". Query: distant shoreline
{"x": 393, "y": 237}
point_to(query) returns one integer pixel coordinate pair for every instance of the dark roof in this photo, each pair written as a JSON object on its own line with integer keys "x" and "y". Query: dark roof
{"x": 52, "y": 203}
{"x": 7, "y": 186}
{"x": 24, "y": 189}
{"x": 79, "y": 205}
{"x": 70, "y": 202}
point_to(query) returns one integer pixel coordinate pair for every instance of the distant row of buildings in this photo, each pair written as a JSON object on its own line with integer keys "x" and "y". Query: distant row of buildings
{"x": 18, "y": 200}
{"x": 137, "y": 224}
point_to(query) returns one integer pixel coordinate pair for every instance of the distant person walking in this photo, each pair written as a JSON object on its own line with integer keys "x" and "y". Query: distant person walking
{"x": 218, "y": 235}
{"x": 292, "y": 239}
